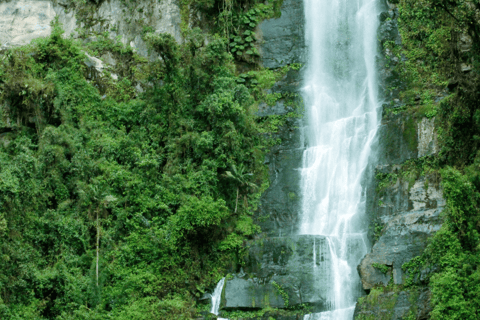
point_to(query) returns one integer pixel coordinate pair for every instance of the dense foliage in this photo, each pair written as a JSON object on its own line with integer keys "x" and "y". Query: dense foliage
{"x": 439, "y": 60}
{"x": 120, "y": 205}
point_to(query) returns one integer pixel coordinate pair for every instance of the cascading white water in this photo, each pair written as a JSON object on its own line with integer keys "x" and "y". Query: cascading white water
{"x": 217, "y": 297}
{"x": 340, "y": 95}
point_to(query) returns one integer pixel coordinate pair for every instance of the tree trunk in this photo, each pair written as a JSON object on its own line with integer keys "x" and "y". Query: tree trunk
{"x": 98, "y": 245}
{"x": 236, "y": 203}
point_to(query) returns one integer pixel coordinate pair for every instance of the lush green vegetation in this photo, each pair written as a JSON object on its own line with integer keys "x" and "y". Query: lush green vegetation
{"x": 381, "y": 267}
{"x": 439, "y": 62}
{"x": 116, "y": 204}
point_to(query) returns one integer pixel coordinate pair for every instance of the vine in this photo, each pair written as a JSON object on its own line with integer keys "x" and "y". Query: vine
{"x": 282, "y": 293}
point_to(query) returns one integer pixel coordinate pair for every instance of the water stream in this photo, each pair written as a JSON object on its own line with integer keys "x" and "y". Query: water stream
{"x": 217, "y": 297}
{"x": 340, "y": 94}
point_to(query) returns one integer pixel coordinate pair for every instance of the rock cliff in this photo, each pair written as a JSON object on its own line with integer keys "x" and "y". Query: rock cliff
{"x": 24, "y": 20}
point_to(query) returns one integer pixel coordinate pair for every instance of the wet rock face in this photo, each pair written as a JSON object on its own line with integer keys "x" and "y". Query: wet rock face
{"x": 284, "y": 37}
{"x": 398, "y": 139}
{"x": 278, "y": 211}
{"x": 283, "y": 44}
{"x": 390, "y": 82}
{"x": 403, "y": 137}
{"x": 285, "y": 272}
{"x": 279, "y": 272}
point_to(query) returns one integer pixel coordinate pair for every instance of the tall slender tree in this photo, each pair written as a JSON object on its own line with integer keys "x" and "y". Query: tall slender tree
{"x": 241, "y": 179}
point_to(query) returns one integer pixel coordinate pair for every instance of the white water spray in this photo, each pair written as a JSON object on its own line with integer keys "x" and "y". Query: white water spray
{"x": 340, "y": 95}
{"x": 217, "y": 297}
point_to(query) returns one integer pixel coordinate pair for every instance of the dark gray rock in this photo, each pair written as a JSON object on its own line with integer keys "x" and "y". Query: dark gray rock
{"x": 391, "y": 83}
{"x": 278, "y": 212}
{"x": 284, "y": 37}
{"x": 297, "y": 267}
{"x": 388, "y": 30}
{"x": 278, "y": 266}
{"x": 279, "y": 207}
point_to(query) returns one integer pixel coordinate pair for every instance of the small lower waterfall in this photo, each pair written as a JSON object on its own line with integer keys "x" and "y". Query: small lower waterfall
{"x": 340, "y": 95}
{"x": 217, "y": 297}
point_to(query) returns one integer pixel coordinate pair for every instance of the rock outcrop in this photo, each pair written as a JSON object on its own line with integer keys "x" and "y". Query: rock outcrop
{"x": 409, "y": 215}
{"x": 280, "y": 272}
{"x": 22, "y": 21}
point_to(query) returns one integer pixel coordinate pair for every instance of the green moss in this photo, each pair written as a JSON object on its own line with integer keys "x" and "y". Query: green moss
{"x": 379, "y": 304}
{"x": 410, "y": 133}
{"x": 381, "y": 267}
{"x": 385, "y": 180}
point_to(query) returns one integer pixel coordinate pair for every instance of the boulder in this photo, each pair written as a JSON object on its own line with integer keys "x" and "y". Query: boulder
{"x": 410, "y": 216}
{"x": 281, "y": 272}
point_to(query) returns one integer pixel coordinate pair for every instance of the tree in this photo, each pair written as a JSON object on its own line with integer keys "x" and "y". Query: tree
{"x": 240, "y": 178}
{"x": 99, "y": 199}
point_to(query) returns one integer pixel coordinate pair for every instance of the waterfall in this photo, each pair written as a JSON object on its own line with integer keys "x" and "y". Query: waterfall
{"x": 340, "y": 95}
{"x": 217, "y": 297}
